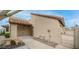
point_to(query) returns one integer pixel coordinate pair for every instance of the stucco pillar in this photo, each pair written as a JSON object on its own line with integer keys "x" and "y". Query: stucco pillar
{"x": 76, "y": 38}
{"x": 13, "y": 28}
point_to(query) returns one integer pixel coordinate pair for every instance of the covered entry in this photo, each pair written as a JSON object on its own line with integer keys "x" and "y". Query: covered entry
{"x": 24, "y": 30}
{"x": 19, "y": 27}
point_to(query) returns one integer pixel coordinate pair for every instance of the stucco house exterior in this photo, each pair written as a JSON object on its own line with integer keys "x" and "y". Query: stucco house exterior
{"x": 2, "y": 29}
{"x": 47, "y": 27}
{"x": 20, "y": 27}
{"x": 6, "y": 27}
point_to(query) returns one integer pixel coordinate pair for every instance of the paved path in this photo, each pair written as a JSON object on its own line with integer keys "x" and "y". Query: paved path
{"x": 24, "y": 39}
{"x": 68, "y": 41}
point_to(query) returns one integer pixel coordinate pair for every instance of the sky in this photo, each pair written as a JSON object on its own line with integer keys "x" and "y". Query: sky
{"x": 71, "y": 17}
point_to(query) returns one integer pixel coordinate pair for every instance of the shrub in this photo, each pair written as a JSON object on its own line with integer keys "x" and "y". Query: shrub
{"x": 21, "y": 43}
{"x": 7, "y": 34}
{"x": 13, "y": 42}
{"x": 0, "y": 32}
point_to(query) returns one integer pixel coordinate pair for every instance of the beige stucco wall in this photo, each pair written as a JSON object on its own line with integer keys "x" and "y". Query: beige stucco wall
{"x": 13, "y": 30}
{"x": 76, "y": 38}
{"x": 41, "y": 25}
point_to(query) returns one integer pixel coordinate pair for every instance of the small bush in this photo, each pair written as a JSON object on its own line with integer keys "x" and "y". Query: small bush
{"x": 0, "y": 34}
{"x": 7, "y": 34}
{"x": 21, "y": 43}
{"x": 13, "y": 42}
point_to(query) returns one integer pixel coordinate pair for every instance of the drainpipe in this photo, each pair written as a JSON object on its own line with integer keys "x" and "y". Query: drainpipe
{"x": 49, "y": 32}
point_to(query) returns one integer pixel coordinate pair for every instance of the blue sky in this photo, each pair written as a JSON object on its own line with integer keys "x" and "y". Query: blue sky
{"x": 70, "y": 16}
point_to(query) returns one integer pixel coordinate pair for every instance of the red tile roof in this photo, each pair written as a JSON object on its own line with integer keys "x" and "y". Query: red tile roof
{"x": 19, "y": 21}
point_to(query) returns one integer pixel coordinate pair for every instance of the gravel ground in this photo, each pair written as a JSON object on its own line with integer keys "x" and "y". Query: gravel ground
{"x": 66, "y": 39}
{"x": 23, "y": 47}
{"x": 2, "y": 37}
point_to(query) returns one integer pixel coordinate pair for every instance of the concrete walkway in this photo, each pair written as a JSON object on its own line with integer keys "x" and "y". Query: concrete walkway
{"x": 24, "y": 39}
{"x": 68, "y": 41}
{"x": 35, "y": 44}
